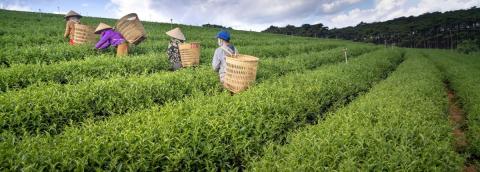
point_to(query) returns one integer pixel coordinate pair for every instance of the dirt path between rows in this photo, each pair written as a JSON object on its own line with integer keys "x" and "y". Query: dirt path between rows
{"x": 457, "y": 118}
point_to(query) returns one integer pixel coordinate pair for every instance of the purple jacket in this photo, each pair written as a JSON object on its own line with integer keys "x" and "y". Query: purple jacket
{"x": 109, "y": 37}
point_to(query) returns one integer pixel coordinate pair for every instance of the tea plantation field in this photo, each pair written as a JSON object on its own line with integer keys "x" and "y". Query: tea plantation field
{"x": 71, "y": 108}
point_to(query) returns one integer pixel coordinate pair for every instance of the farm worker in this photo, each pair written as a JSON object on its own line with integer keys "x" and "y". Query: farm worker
{"x": 109, "y": 37}
{"x": 219, "y": 57}
{"x": 173, "y": 51}
{"x": 72, "y": 18}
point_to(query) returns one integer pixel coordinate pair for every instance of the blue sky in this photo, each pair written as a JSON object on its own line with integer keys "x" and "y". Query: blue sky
{"x": 253, "y": 15}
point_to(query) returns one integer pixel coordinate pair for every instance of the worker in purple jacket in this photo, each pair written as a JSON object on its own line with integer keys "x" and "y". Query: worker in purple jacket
{"x": 109, "y": 37}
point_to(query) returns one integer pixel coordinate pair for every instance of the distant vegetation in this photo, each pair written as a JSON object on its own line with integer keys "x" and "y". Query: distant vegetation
{"x": 216, "y": 26}
{"x": 454, "y": 29}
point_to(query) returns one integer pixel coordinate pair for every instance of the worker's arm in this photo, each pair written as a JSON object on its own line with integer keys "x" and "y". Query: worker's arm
{"x": 103, "y": 43}
{"x": 216, "y": 59}
{"x": 67, "y": 30}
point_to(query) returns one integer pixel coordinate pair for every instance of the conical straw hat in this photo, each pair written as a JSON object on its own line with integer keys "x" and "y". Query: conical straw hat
{"x": 72, "y": 13}
{"x": 176, "y": 33}
{"x": 102, "y": 26}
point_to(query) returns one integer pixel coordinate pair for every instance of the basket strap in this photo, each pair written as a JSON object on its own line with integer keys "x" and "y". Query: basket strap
{"x": 228, "y": 51}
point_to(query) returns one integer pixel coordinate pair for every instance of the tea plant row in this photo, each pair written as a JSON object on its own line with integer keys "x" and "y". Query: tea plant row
{"x": 49, "y": 108}
{"x": 202, "y": 132}
{"x": 400, "y": 125}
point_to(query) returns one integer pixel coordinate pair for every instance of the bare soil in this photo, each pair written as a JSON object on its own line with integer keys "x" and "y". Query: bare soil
{"x": 457, "y": 118}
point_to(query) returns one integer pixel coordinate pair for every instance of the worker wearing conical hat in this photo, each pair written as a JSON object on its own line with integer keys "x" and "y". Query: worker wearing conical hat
{"x": 173, "y": 51}
{"x": 224, "y": 49}
{"x": 72, "y": 18}
{"x": 109, "y": 37}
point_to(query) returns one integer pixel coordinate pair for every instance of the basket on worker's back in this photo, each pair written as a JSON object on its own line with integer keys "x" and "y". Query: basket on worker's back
{"x": 84, "y": 34}
{"x": 131, "y": 28}
{"x": 241, "y": 72}
{"x": 189, "y": 54}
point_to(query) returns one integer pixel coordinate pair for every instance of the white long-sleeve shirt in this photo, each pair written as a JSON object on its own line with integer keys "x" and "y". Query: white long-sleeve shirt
{"x": 219, "y": 60}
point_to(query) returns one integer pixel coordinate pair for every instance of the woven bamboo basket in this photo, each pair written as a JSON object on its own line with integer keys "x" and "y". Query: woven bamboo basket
{"x": 241, "y": 72}
{"x": 131, "y": 29}
{"x": 84, "y": 34}
{"x": 190, "y": 54}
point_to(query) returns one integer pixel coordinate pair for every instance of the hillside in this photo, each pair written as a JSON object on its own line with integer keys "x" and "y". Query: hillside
{"x": 431, "y": 30}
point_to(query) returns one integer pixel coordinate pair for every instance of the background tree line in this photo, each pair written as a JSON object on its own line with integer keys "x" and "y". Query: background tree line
{"x": 217, "y": 26}
{"x": 429, "y": 30}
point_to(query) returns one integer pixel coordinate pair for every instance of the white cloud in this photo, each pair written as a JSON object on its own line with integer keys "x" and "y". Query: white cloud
{"x": 246, "y": 14}
{"x": 257, "y": 15}
{"x": 120, "y": 8}
{"x": 445, "y": 5}
{"x": 390, "y": 9}
{"x": 334, "y": 6}
{"x": 61, "y": 12}
{"x": 15, "y": 6}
